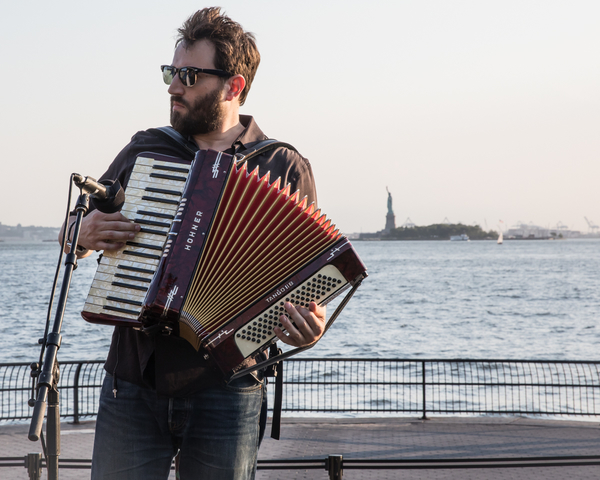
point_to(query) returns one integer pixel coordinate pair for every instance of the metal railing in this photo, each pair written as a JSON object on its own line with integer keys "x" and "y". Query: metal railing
{"x": 79, "y": 387}
{"x": 369, "y": 386}
{"x": 335, "y": 465}
{"x": 428, "y": 386}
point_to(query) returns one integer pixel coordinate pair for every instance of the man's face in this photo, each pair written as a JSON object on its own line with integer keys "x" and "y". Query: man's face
{"x": 197, "y": 109}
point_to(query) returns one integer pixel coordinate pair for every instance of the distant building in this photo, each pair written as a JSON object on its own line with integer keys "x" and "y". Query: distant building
{"x": 27, "y": 234}
{"x": 531, "y": 231}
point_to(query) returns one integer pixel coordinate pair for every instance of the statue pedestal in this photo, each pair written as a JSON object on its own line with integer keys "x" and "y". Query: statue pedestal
{"x": 390, "y": 222}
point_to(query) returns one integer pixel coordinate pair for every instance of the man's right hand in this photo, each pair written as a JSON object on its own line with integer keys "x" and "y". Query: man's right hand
{"x": 105, "y": 231}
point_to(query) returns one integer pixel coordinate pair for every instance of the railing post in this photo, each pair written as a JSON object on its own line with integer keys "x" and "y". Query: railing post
{"x": 334, "y": 464}
{"x": 76, "y": 394}
{"x": 424, "y": 385}
{"x": 33, "y": 464}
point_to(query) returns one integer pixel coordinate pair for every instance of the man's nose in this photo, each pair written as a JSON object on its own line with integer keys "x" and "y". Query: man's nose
{"x": 176, "y": 87}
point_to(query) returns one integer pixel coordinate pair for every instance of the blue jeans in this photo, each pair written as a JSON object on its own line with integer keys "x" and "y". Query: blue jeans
{"x": 216, "y": 431}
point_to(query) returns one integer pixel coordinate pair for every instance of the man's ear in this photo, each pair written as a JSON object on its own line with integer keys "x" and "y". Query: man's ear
{"x": 234, "y": 85}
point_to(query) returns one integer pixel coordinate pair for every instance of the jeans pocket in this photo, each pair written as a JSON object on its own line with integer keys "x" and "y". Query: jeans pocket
{"x": 246, "y": 384}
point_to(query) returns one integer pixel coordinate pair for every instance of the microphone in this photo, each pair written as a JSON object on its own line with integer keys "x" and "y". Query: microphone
{"x": 107, "y": 195}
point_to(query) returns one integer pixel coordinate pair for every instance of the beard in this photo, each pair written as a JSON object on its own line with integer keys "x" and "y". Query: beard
{"x": 204, "y": 115}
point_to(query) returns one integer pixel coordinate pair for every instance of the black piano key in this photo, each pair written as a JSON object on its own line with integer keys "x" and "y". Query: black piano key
{"x": 153, "y": 232}
{"x": 144, "y": 245}
{"x": 133, "y": 277}
{"x": 141, "y": 254}
{"x": 136, "y": 269}
{"x": 155, "y": 214}
{"x": 163, "y": 191}
{"x": 141, "y": 221}
{"x": 160, "y": 200}
{"x": 171, "y": 169}
{"x": 124, "y": 300}
{"x": 121, "y": 310}
{"x": 168, "y": 177}
{"x": 128, "y": 285}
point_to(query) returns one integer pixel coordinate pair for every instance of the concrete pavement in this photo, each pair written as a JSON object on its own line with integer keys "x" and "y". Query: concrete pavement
{"x": 377, "y": 438}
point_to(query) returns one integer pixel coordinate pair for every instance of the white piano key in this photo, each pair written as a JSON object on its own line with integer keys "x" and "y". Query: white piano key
{"x": 152, "y": 233}
{"x": 152, "y": 161}
{"x": 133, "y": 201}
{"x": 154, "y": 214}
{"x": 148, "y": 262}
{"x": 157, "y": 208}
{"x": 135, "y": 192}
{"x": 143, "y": 184}
{"x": 141, "y": 250}
{"x": 115, "y": 262}
{"x": 98, "y": 309}
{"x": 111, "y": 277}
{"x": 102, "y": 289}
{"x": 151, "y": 238}
{"x": 140, "y": 193}
{"x": 113, "y": 269}
{"x": 102, "y": 302}
{"x": 174, "y": 182}
{"x": 148, "y": 239}
{"x": 151, "y": 221}
{"x": 125, "y": 300}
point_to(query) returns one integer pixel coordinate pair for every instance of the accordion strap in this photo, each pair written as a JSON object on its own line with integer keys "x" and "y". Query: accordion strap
{"x": 175, "y": 138}
{"x": 260, "y": 148}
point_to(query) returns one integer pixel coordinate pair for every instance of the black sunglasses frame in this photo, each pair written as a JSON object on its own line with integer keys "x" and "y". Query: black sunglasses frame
{"x": 184, "y": 74}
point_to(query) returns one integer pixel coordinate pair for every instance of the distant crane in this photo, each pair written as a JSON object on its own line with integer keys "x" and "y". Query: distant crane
{"x": 445, "y": 221}
{"x": 561, "y": 226}
{"x": 408, "y": 224}
{"x": 592, "y": 227}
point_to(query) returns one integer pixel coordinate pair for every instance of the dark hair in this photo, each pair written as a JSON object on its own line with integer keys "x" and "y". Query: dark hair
{"x": 235, "y": 50}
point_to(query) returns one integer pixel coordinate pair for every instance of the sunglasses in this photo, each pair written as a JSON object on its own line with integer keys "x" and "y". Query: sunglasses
{"x": 188, "y": 75}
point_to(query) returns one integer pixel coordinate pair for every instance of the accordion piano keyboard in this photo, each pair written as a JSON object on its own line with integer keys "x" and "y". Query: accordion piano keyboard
{"x": 153, "y": 197}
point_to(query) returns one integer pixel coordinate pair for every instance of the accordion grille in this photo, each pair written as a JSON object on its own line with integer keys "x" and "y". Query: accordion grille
{"x": 259, "y": 236}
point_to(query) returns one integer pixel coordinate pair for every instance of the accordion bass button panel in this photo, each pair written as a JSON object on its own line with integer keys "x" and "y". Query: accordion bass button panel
{"x": 321, "y": 287}
{"x": 152, "y": 198}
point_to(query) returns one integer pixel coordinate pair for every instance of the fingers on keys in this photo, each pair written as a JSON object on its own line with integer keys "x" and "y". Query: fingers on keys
{"x": 303, "y": 327}
{"x": 108, "y": 231}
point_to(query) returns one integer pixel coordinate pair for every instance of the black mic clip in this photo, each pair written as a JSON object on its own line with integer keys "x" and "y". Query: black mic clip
{"x": 107, "y": 195}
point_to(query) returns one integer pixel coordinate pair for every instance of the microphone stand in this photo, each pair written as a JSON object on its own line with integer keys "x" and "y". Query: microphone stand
{"x": 47, "y": 384}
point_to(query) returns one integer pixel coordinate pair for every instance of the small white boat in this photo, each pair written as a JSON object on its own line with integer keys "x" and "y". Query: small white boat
{"x": 460, "y": 238}
{"x": 500, "y": 238}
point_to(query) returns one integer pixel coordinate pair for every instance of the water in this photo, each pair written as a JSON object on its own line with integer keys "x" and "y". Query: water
{"x": 520, "y": 300}
{"x": 26, "y": 276}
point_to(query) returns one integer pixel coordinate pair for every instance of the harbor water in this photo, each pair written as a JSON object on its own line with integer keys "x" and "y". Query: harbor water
{"x": 480, "y": 300}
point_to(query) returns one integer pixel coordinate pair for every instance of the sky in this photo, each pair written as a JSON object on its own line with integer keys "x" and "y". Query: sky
{"x": 471, "y": 111}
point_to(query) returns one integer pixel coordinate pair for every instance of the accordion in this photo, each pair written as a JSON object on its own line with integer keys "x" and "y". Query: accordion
{"x": 219, "y": 252}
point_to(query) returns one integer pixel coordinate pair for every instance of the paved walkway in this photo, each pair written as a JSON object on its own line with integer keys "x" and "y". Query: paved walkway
{"x": 377, "y": 438}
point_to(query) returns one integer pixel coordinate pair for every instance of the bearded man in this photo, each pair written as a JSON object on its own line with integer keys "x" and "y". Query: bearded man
{"x": 160, "y": 396}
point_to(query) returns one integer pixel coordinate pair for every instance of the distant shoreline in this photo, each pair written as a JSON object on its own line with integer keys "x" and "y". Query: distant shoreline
{"x": 28, "y": 240}
{"x": 583, "y": 237}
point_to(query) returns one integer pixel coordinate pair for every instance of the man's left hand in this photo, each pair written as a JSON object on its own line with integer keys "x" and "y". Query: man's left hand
{"x": 309, "y": 324}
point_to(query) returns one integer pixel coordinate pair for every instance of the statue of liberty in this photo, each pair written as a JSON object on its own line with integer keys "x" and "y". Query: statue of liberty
{"x": 390, "y": 218}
